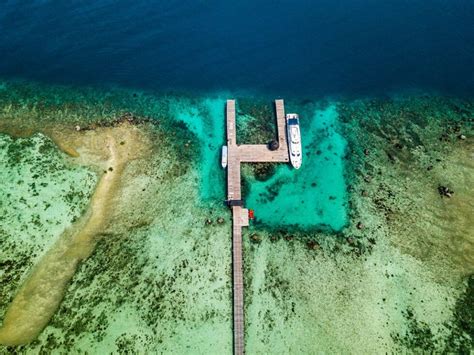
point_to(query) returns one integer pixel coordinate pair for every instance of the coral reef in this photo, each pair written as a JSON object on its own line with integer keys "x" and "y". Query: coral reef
{"x": 385, "y": 266}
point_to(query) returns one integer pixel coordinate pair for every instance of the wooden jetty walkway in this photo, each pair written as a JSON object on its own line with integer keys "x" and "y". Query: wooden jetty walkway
{"x": 237, "y": 154}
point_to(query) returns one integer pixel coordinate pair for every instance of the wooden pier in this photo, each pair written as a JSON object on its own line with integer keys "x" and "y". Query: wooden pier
{"x": 237, "y": 154}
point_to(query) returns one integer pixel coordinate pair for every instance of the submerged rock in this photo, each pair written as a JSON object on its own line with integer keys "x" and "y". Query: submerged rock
{"x": 313, "y": 245}
{"x": 255, "y": 238}
{"x": 445, "y": 191}
{"x": 263, "y": 171}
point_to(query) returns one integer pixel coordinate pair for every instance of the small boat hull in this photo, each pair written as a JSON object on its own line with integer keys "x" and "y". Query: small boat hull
{"x": 224, "y": 157}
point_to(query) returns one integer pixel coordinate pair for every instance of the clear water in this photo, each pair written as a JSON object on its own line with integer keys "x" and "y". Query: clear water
{"x": 300, "y": 48}
{"x": 165, "y": 269}
{"x": 314, "y": 195}
{"x": 205, "y": 118}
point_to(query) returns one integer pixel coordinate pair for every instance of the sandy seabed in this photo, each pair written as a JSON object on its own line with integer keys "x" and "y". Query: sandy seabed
{"x": 111, "y": 248}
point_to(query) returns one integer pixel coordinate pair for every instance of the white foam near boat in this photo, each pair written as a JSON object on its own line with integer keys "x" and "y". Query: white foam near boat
{"x": 294, "y": 139}
{"x": 224, "y": 157}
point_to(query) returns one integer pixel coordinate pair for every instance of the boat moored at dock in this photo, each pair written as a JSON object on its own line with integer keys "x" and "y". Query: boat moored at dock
{"x": 224, "y": 157}
{"x": 294, "y": 139}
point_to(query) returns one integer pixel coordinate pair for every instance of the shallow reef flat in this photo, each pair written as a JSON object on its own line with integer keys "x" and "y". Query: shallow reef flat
{"x": 399, "y": 277}
{"x": 127, "y": 187}
{"x": 155, "y": 270}
{"x": 41, "y": 195}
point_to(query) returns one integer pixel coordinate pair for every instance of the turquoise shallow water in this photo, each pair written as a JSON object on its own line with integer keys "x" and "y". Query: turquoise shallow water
{"x": 167, "y": 270}
{"x": 207, "y": 121}
{"x": 314, "y": 195}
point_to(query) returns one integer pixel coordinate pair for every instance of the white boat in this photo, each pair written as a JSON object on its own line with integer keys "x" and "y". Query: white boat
{"x": 224, "y": 157}
{"x": 294, "y": 139}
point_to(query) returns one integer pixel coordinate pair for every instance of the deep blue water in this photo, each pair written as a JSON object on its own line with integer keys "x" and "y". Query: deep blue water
{"x": 299, "y": 47}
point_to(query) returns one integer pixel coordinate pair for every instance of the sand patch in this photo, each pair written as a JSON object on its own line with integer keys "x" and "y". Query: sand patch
{"x": 108, "y": 150}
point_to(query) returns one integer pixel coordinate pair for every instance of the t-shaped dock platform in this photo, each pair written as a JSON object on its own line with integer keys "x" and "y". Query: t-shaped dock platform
{"x": 237, "y": 154}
